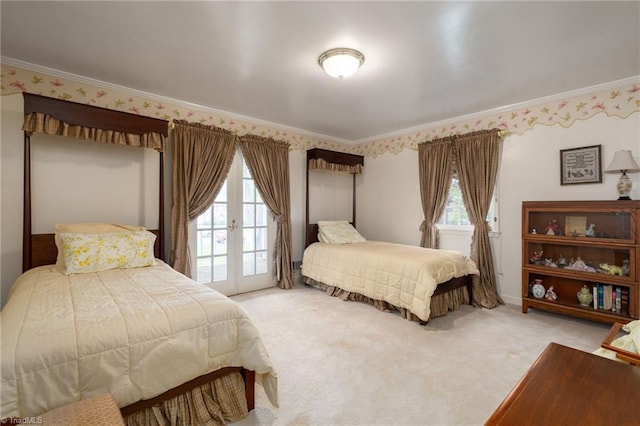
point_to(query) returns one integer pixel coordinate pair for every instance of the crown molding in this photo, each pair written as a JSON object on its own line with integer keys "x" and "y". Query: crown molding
{"x": 139, "y": 93}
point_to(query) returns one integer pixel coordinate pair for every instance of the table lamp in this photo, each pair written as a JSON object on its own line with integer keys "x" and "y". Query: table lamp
{"x": 623, "y": 162}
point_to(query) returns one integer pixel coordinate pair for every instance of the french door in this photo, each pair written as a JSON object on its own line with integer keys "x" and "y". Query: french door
{"x": 233, "y": 240}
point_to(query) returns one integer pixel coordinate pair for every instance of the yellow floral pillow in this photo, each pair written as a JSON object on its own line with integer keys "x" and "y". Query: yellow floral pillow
{"x": 88, "y": 228}
{"x": 100, "y": 252}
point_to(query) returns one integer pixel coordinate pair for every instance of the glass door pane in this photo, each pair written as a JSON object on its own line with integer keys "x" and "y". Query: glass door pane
{"x": 234, "y": 237}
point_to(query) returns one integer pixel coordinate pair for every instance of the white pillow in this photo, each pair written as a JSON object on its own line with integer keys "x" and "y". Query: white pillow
{"x": 100, "y": 252}
{"x": 338, "y": 232}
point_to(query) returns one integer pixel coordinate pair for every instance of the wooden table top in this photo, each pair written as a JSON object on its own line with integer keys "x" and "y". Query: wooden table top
{"x": 565, "y": 386}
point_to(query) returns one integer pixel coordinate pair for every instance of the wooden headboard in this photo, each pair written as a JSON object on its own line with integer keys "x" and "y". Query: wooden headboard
{"x": 40, "y": 249}
{"x": 332, "y": 157}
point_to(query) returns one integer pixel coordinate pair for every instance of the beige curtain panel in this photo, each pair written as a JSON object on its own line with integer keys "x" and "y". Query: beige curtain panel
{"x": 202, "y": 157}
{"x": 473, "y": 158}
{"x": 321, "y": 164}
{"x": 435, "y": 171}
{"x": 268, "y": 162}
{"x": 478, "y": 156}
{"x": 44, "y": 123}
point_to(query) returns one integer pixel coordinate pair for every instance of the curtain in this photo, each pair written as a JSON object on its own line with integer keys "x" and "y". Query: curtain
{"x": 478, "y": 156}
{"x": 202, "y": 157}
{"x": 435, "y": 171}
{"x": 268, "y": 162}
{"x": 44, "y": 123}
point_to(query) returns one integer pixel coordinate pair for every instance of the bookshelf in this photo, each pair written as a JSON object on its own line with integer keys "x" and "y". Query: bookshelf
{"x": 573, "y": 244}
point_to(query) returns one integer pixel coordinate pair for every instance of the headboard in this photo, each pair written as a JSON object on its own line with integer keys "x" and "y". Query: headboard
{"x": 333, "y": 160}
{"x": 40, "y": 249}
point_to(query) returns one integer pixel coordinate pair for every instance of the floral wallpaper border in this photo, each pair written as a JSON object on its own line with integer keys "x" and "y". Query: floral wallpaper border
{"x": 621, "y": 102}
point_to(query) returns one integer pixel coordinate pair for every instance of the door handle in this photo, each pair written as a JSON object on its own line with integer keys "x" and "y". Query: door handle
{"x": 233, "y": 225}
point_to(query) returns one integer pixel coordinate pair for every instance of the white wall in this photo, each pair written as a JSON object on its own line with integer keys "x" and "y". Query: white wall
{"x": 297, "y": 176}
{"x": 389, "y": 201}
{"x": 11, "y": 149}
{"x": 388, "y": 198}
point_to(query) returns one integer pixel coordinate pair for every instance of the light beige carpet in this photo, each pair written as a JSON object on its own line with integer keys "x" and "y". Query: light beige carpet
{"x": 346, "y": 363}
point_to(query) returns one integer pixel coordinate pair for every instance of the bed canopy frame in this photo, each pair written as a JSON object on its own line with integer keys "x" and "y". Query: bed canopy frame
{"x": 335, "y": 161}
{"x": 40, "y": 249}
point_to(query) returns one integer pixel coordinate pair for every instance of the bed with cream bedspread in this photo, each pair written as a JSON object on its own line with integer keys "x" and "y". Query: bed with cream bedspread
{"x": 405, "y": 276}
{"x": 134, "y": 333}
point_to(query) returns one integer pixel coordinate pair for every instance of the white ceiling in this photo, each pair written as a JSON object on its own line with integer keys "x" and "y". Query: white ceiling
{"x": 425, "y": 61}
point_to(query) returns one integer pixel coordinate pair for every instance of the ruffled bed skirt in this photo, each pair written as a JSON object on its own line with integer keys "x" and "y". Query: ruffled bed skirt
{"x": 440, "y": 304}
{"x": 218, "y": 402}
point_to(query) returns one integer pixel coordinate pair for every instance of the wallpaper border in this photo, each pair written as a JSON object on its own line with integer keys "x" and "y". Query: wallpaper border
{"x": 619, "y": 99}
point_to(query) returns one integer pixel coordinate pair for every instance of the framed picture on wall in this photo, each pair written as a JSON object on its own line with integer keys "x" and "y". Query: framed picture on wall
{"x": 581, "y": 165}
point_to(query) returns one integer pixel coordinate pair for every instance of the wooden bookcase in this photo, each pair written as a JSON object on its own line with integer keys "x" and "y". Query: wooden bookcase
{"x": 556, "y": 230}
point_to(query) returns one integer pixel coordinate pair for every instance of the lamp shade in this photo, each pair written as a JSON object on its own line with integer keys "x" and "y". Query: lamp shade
{"x": 623, "y": 162}
{"x": 341, "y": 62}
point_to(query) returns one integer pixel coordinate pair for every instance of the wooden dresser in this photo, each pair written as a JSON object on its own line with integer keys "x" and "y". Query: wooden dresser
{"x": 566, "y": 386}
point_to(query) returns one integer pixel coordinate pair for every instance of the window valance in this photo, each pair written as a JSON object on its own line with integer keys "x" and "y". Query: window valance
{"x": 57, "y": 117}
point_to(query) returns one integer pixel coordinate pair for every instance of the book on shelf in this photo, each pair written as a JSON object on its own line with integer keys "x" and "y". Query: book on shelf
{"x": 618, "y": 300}
{"x": 600, "y": 296}
{"x": 624, "y": 300}
{"x": 607, "y": 295}
{"x": 611, "y": 298}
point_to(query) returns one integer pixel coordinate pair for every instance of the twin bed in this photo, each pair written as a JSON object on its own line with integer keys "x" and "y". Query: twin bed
{"x": 420, "y": 283}
{"x": 98, "y": 311}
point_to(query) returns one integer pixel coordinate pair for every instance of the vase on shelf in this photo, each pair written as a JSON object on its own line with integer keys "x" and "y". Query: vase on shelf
{"x": 537, "y": 289}
{"x": 585, "y": 297}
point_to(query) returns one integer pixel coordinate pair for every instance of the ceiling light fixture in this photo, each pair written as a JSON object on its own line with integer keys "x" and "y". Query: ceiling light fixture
{"x": 341, "y": 62}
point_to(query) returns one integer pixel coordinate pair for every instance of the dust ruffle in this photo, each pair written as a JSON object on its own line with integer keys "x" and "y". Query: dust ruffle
{"x": 440, "y": 304}
{"x": 218, "y": 402}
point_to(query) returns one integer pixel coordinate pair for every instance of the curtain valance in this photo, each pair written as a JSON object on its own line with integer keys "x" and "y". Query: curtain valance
{"x": 321, "y": 164}
{"x": 52, "y": 116}
{"x": 38, "y": 122}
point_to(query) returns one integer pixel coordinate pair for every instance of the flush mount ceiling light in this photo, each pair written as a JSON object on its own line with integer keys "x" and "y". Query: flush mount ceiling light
{"x": 341, "y": 62}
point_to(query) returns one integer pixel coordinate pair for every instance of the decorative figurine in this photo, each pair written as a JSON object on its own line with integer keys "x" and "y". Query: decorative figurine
{"x": 612, "y": 269}
{"x": 584, "y": 296}
{"x": 552, "y": 228}
{"x": 579, "y": 265}
{"x": 533, "y": 231}
{"x": 625, "y": 267}
{"x": 551, "y": 295}
{"x": 561, "y": 262}
{"x": 536, "y": 256}
{"x": 590, "y": 231}
{"x": 550, "y": 262}
{"x": 537, "y": 289}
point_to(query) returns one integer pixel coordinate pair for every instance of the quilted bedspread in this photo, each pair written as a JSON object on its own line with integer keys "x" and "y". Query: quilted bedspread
{"x": 405, "y": 276}
{"x": 134, "y": 333}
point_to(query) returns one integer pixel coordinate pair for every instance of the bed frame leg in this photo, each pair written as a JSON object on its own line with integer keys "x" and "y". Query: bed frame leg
{"x": 249, "y": 387}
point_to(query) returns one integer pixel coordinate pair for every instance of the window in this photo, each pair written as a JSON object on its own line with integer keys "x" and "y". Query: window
{"x": 455, "y": 214}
